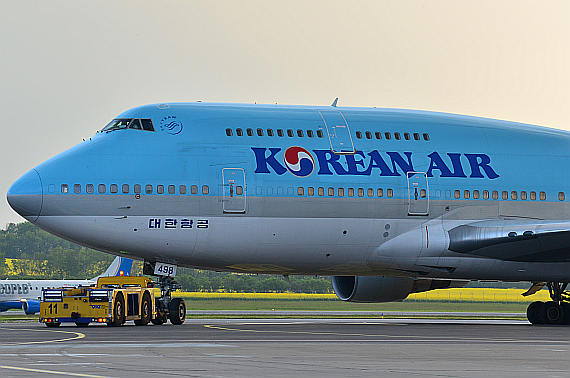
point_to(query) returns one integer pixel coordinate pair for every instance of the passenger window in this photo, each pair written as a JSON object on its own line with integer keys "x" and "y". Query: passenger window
{"x": 239, "y": 190}
{"x": 476, "y": 194}
{"x": 194, "y": 189}
{"x": 182, "y": 189}
{"x": 378, "y": 135}
{"x": 505, "y": 195}
{"x": 407, "y": 136}
{"x": 397, "y": 136}
{"x": 239, "y": 132}
{"x": 485, "y": 194}
{"x": 300, "y": 191}
{"x": 171, "y": 189}
{"x": 331, "y": 192}
{"x": 125, "y": 188}
{"x": 249, "y": 132}
{"x": 148, "y": 189}
{"x": 360, "y": 192}
{"x": 533, "y": 196}
{"x": 89, "y": 188}
{"x": 368, "y": 135}
{"x": 135, "y": 124}
{"x": 341, "y": 192}
{"x": 466, "y": 194}
{"x": 561, "y": 196}
{"x": 542, "y": 196}
{"x": 77, "y": 188}
{"x": 523, "y": 195}
{"x": 270, "y": 132}
{"x": 387, "y": 136}
{"x": 137, "y": 189}
{"x": 495, "y": 195}
{"x": 416, "y": 136}
{"x": 280, "y": 132}
{"x": 350, "y": 192}
{"x": 102, "y": 188}
{"x": 311, "y": 191}
{"x": 370, "y": 192}
{"x": 359, "y": 135}
{"x": 300, "y": 133}
{"x": 205, "y": 189}
{"x": 514, "y": 195}
{"x": 457, "y": 194}
{"x": 160, "y": 189}
{"x": 380, "y": 192}
{"x": 290, "y": 133}
{"x": 320, "y": 133}
{"x": 147, "y": 124}
{"x": 229, "y": 132}
{"x": 423, "y": 193}
{"x": 390, "y": 193}
{"x": 321, "y": 191}
{"x": 114, "y": 188}
{"x": 426, "y": 136}
{"x": 259, "y": 132}
{"x": 310, "y": 133}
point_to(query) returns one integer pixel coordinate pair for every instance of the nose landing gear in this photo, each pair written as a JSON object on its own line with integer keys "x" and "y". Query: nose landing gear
{"x": 556, "y": 311}
{"x": 167, "y": 308}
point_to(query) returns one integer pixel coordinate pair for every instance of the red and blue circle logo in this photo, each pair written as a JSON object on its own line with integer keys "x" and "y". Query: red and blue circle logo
{"x": 299, "y": 161}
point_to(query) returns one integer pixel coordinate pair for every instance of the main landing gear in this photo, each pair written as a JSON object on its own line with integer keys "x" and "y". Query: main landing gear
{"x": 556, "y": 311}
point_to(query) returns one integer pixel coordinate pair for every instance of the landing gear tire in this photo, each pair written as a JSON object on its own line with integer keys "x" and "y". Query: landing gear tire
{"x": 146, "y": 311}
{"x": 566, "y": 310}
{"x": 177, "y": 311}
{"x": 551, "y": 313}
{"x": 118, "y": 312}
{"x": 160, "y": 317}
{"x": 533, "y": 312}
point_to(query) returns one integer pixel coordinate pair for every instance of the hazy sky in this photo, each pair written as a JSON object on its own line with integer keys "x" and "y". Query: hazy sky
{"x": 69, "y": 67}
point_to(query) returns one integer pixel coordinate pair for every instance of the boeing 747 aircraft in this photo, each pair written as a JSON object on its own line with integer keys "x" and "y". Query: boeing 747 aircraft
{"x": 389, "y": 202}
{"x": 25, "y": 294}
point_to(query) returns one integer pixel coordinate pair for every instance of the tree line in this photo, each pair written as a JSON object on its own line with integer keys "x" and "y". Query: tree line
{"x": 41, "y": 255}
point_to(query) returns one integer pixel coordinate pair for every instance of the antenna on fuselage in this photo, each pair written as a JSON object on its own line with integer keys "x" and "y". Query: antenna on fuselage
{"x": 334, "y": 102}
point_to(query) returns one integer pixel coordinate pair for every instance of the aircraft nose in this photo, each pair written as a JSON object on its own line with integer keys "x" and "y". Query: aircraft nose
{"x": 25, "y": 195}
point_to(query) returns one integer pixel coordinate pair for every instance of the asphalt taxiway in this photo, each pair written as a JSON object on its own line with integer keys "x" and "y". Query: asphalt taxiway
{"x": 289, "y": 348}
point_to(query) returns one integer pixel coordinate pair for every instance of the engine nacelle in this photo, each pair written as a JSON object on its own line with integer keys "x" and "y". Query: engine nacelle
{"x": 377, "y": 289}
{"x": 30, "y": 307}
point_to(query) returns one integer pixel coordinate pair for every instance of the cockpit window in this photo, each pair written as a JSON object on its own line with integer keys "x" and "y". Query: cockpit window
{"x": 135, "y": 124}
{"x": 129, "y": 123}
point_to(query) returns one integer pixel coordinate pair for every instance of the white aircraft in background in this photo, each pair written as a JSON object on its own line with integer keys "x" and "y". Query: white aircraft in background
{"x": 25, "y": 294}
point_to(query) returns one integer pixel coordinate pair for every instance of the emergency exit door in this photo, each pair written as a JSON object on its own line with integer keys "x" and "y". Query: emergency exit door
{"x": 418, "y": 193}
{"x": 234, "y": 193}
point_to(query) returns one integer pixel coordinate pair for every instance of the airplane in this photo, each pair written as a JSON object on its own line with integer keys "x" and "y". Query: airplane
{"x": 26, "y": 294}
{"x": 387, "y": 201}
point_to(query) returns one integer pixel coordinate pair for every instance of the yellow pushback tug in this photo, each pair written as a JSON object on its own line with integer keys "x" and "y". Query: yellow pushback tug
{"x": 113, "y": 301}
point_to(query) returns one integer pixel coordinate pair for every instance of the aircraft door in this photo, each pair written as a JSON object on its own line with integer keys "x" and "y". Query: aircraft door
{"x": 234, "y": 193}
{"x": 418, "y": 193}
{"x": 338, "y": 132}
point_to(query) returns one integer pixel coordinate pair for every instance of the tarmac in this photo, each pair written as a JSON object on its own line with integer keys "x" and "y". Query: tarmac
{"x": 289, "y": 348}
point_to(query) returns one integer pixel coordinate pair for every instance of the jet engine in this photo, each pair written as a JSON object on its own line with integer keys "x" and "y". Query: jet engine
{"x": 31, "y": 307}
{"x": 376, "y": 289}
